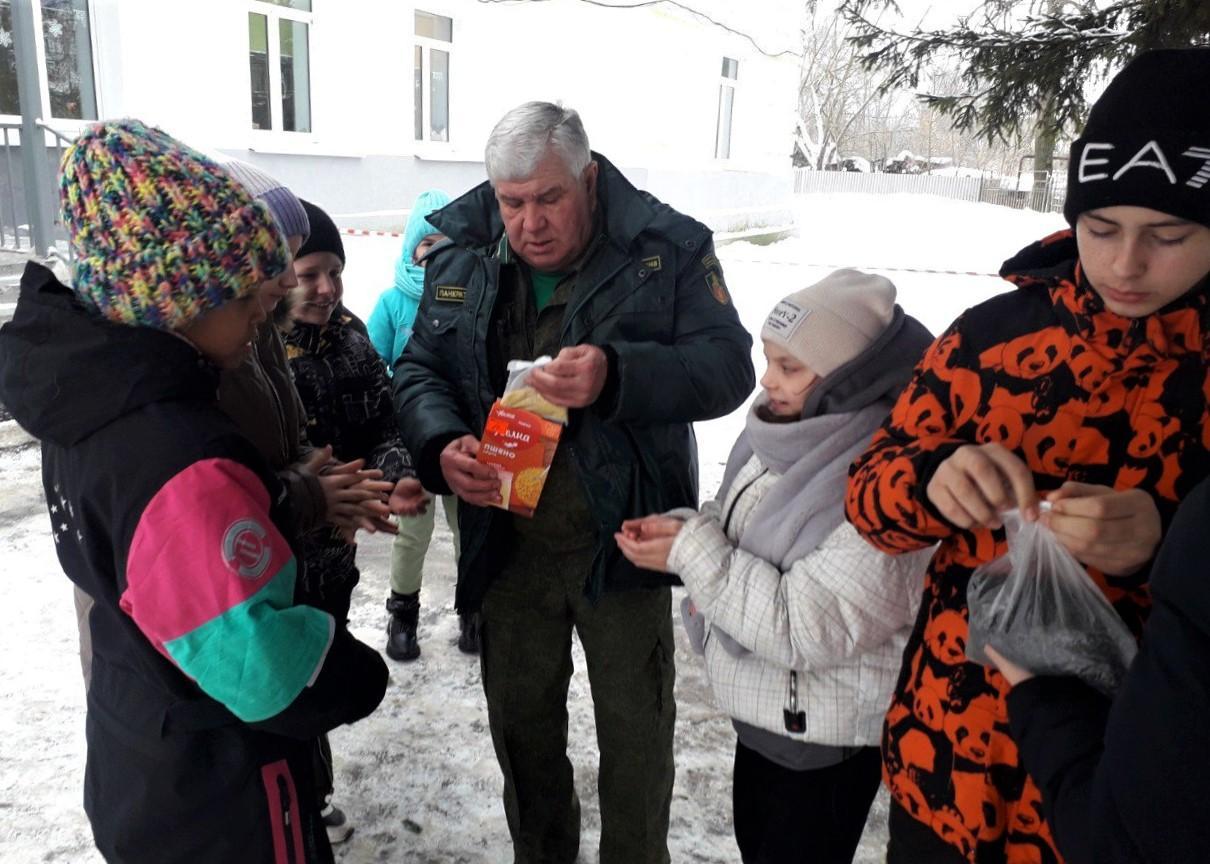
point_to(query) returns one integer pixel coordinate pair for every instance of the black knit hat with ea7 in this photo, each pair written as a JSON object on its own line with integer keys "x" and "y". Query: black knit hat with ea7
{"x": 1147, "y": 142}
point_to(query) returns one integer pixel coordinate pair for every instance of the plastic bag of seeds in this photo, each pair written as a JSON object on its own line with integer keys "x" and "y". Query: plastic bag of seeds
{"x": 1040, "y": 609}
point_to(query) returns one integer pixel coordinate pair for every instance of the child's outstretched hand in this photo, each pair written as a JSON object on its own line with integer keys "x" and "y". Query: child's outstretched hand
{"x": 408, "y": 498}
{"x": 646, "y": 542}
{"x": 978, "y": 482}
{"x": 1117, "y": 532}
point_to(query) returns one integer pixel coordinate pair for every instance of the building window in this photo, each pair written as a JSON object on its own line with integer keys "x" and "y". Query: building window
{"x": 431, "y": 79}
{"x": 66, "y": 79}
{"x": 726, "y": 105}
{"x": 279, "y": 59}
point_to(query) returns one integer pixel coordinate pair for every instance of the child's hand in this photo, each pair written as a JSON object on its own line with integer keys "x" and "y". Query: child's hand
{"x": 646, "y": 542}
{"x": 980, "y": 481}
{"x": 651, "y": 526}
{"x": 408, "y": 498}
{"x": 354, "y": 497}
{"x": 1013, "y": 673}
{"x": 1117, "y": 532}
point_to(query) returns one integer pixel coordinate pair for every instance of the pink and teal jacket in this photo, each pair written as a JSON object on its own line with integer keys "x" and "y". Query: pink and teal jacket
{"x": 212, "y": 676}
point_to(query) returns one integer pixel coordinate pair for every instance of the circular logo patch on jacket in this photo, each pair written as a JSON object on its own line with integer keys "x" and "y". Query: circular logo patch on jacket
{"x": 245, "y": 550}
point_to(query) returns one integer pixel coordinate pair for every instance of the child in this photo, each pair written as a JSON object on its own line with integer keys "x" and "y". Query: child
{"x": 390, "y": 325}
{"x": 1088, "y": 384}
{"x": 344, "y": 391}
{"x": 261, "y": 398}
{"x": 1126, "y": 782}
{"x": 804, "y": 621}
{"x": 209, "y": 682}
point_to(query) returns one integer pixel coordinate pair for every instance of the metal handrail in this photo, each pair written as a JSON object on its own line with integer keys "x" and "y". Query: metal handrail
{"x": 23, "y": 236}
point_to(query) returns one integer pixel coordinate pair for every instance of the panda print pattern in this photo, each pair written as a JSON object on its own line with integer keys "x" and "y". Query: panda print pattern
{"x": 1080, "y": 394}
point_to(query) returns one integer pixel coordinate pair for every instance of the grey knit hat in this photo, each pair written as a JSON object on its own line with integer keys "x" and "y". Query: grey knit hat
{"x": 827, "y": 324}
{"x": 282, "y": 203}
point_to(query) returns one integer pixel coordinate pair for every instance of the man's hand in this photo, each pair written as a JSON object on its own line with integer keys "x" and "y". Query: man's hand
{"x": 980, "y": 481}
{"x": 471, "y": 480}
{"x": 409, "y": 498}
{"x": 1115, "y": 532}
{"x": 647, "y": 542}
{"x": 575, "y": 378}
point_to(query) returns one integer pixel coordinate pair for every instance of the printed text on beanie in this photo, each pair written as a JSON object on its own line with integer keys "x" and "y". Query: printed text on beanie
{"x": 1147, "y": 141}
{"x": 833, "y": 321}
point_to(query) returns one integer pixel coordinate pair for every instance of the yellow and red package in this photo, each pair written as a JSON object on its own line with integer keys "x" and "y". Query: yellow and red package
{"x": 521, "y": 446}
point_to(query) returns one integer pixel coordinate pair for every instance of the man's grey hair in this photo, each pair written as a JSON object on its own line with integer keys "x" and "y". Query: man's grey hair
{"x": 527, "y": 133}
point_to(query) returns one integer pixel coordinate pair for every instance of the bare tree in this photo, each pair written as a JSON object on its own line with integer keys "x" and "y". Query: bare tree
{"x": 838, "y": 98}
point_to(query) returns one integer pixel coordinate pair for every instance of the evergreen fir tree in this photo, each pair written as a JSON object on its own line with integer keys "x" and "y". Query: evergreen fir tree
{"x": 1027, "y": 64}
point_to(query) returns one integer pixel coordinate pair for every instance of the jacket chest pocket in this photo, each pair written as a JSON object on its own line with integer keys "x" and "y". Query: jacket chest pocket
{"x": 644, "y": 314}
{"x": 442, "y": 318}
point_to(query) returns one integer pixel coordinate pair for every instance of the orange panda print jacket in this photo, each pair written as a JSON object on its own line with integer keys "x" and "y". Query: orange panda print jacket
{"x": 1081, "y": 394}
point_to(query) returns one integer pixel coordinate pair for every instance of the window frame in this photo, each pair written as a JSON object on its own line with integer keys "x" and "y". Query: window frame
{"x": 732, "y": 84}
{"x": 66, "y": 123}
{"x": 274, "y": 14}
{"x": 427, "y": 44}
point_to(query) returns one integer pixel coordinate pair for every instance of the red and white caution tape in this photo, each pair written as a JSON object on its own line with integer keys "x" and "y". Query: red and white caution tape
{"x": 365, "y": 232}
{"x": 863, "y": 267}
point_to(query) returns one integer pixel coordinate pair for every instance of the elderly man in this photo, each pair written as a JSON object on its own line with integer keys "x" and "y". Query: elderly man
{"x": 558, "y": 254}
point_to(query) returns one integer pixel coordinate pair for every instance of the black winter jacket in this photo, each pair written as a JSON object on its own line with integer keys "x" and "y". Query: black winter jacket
{"x": 346, "y": 396}
{"x": 209, "y": 682}
{"x": 653, "y": 295}
{"x": 1126, "y": 783}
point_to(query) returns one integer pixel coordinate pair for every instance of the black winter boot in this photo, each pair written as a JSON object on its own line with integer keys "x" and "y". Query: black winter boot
{"x": 401, "y": 626}
{"x": 468, "y": 633}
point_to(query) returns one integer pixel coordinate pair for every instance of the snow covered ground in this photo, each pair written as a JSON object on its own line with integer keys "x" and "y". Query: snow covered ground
{"x": 419, "y": 778}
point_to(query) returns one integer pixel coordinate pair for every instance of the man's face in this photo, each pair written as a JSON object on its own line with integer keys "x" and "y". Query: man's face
{"x": 1140, "y": 260}
{"x": 548, "y": 217}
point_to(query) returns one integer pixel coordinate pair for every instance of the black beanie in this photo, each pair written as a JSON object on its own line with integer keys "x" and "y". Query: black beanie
{"x": 1147, "y": 142}
{"x": 325, "y": 237}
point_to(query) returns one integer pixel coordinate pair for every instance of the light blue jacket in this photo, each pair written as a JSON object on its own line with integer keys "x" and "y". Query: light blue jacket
{"x": 390, "y": 324}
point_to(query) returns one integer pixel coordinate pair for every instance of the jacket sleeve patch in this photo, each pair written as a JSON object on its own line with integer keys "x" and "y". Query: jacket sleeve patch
{"x": 718, "y": 288}
{"x": 210, "y": 583}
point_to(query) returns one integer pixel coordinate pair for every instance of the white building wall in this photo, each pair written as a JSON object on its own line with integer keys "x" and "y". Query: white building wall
{"x": 646, "y": 82}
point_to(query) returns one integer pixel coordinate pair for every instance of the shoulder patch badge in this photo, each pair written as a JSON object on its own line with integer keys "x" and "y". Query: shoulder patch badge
{"x": 451, "y": 293}
{"x": 245, "y": 549}
{"x": 718, "y": 288}
{"x": 653, "y": 263}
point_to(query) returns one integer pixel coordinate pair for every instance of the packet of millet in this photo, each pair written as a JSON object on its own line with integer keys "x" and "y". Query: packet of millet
{"x": 519, "y": 441}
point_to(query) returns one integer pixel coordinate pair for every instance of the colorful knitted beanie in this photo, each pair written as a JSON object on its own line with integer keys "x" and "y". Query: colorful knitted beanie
{"x": 161, "y": 234}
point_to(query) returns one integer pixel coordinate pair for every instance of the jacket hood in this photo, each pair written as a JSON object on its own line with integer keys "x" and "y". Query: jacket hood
{"x": 1053, "y": 263}
{"x": 66, "y": 373}
{"x": 1047, "y": 259}
{"x": 878, "y": 373}
{"x": 409, "y": 276}
{"x": 474, "y": 219}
